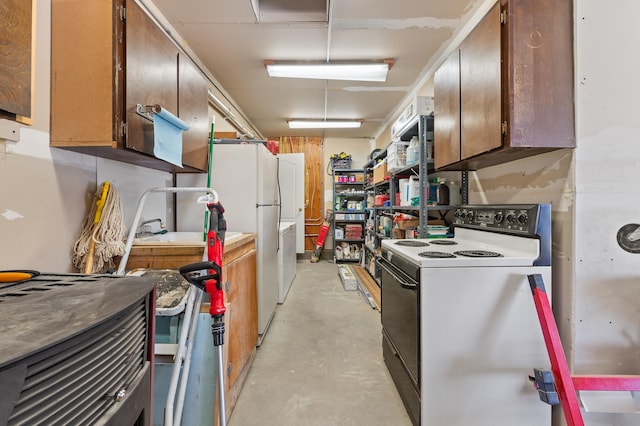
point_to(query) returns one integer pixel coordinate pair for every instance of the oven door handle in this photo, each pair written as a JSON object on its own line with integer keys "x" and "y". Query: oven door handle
{"x": 387, "y": 266}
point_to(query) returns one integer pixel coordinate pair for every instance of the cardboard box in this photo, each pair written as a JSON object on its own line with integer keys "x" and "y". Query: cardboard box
{"x": 380, "y": 172}
{"x": 421, "y": 105}
{"x": 397, "y": 233}
{"x": 348, "y": 278}
{"x": 408, "y": 224}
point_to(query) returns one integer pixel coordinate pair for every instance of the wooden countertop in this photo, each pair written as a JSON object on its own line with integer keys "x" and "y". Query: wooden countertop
{"x": 159, "y": 255}
{"x": 239, "y": 241}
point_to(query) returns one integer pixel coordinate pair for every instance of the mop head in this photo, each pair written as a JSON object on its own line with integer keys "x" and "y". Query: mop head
{"x": 108, "y": 233}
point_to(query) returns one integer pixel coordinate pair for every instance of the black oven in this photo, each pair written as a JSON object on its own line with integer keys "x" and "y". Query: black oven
{"x": 400, "y": 289}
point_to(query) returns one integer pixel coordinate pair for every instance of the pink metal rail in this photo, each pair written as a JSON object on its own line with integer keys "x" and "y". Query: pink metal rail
{"x": 563, "y": 386}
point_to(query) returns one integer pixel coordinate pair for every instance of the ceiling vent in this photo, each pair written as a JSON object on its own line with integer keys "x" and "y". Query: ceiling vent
{"x": 275, "y": 11}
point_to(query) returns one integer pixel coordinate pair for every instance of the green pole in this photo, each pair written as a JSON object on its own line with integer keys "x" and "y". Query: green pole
{"x": 206, "y": 213}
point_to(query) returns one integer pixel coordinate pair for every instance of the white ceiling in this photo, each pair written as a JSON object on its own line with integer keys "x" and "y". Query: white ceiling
{"x": 229, "y": 41}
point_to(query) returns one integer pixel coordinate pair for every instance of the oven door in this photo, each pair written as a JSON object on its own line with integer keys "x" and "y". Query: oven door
{"x": 401, "y": 315}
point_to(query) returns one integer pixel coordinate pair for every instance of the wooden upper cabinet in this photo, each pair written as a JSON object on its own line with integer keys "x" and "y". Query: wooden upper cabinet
{"x": 446, "y": 117}
{"x": 193, "y": 99}
{"x": 107, "y": 57}
{"x": 480, "y": 87}
{"x": 15, "y": 51}
{"x": 538, "y": 92}
{"x": 515, "y": 87}
{"x": 151, "y": 76}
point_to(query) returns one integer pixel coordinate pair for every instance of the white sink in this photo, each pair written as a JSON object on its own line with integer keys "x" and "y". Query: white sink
{"x": 180, "y": 238}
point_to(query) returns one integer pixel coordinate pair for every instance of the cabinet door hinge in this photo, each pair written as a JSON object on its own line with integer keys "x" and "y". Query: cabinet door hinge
{"x": 226, "y": 286}
{"x": 503, "y": 17}
{"x": 123, "y": 129}
{"x": 229, "y": 369}
{"x": 504, "y": 128}
{"x": 123, "y": 13}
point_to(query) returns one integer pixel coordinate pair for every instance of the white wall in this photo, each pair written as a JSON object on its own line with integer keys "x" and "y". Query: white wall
{"x": 607, "y": 192}
{"x": 44, "y": 192}
{"x": 359, "y": 150}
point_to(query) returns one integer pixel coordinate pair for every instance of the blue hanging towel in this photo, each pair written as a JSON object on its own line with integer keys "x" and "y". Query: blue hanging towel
{"x": 167, "y": 137}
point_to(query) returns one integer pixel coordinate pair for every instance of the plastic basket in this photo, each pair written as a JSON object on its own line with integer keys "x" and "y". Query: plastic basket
{"x": 342, "y": 163}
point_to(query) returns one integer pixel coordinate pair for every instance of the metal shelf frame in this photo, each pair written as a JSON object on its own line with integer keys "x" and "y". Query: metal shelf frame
{"x": 339, "y": 191}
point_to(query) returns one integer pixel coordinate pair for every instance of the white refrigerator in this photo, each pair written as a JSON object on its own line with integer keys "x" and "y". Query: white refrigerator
{"x": 291, "y": 175}
{"x": 245, "y": 176}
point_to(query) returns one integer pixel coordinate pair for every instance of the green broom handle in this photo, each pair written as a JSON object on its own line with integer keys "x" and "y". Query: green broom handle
{"x": 206, "y": 213}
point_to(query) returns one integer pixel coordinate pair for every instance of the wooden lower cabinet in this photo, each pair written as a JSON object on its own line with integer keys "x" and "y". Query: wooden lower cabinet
{"x": 241, "y": 299}
{"x": 241, "y": 321}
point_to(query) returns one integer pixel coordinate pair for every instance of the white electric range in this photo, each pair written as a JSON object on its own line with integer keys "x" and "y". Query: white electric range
{"x": 460, "y": 330}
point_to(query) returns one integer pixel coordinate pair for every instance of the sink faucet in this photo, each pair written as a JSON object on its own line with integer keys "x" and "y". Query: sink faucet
{"x": 144, "y": 229}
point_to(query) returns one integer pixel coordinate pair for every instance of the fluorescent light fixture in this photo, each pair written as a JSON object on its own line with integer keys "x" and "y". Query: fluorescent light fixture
{"x": 324, "y": 124}
{"x": 365, "y": 71}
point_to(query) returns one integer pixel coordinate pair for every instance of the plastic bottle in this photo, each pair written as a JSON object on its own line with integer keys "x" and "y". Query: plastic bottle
{"x": 432, "y": 194}
{"x": 413, "y": 151}
{"x": 455, "y": 194}
{"x": 443, "y": 193}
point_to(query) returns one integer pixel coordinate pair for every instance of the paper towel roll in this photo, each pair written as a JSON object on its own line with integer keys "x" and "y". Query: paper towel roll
{"x": 167, "y": 137}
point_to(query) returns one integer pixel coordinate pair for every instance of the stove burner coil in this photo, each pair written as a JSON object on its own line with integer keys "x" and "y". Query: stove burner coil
{"x": 444, "y": 242}
{"x": 436, "y": 254}
{"x": 477, "y": 253}
{"x": 411, "y": 243}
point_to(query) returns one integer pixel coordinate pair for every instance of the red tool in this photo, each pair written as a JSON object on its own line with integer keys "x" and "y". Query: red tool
{"x": 213, "y": 286}
{"x": 560, "y": 386}
{"x": 322, "y": 236}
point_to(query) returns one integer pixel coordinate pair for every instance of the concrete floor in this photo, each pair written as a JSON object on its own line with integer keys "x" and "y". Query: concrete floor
{"x": 321, "y": 360}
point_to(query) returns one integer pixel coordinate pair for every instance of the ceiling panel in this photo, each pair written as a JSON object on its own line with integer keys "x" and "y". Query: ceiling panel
{"x": 227, "y": 39}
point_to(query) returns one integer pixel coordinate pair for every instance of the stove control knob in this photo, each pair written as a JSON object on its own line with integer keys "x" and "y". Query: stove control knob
{"x": 499, "y": 217}
{"x": 523, "y": 218}
{"x": 470, "y": 215}
{"x": 463, "y": 216}
{"x": 457, "y": 214}
{"x": 511, "y": 218}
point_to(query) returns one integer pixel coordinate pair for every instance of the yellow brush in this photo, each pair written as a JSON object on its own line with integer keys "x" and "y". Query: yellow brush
{"x": 16, "y": 276}
{"x": 88, "y": 267}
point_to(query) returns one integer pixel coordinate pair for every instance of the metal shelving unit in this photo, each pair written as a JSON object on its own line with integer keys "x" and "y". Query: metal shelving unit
{"x": 422, "y": 127}
{"x": 349, "y": 208}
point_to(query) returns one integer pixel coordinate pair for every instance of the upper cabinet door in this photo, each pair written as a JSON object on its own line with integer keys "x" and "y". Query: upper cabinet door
{"x": 193, "y": 109}
{"x": 481, "y": 87}
{"x": 151, "y": 75}
{"x": 539, "y": 88}
{"x": 446, "y": 119}
{"x": 15, "y": 51}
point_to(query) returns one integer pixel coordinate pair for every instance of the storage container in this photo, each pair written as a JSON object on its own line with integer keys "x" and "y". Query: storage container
{"x": 380, "y": 171}
{"x": 397, "y": 155}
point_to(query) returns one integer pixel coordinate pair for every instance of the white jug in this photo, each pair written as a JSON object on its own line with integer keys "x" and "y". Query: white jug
{"x": 414, "y": 188}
